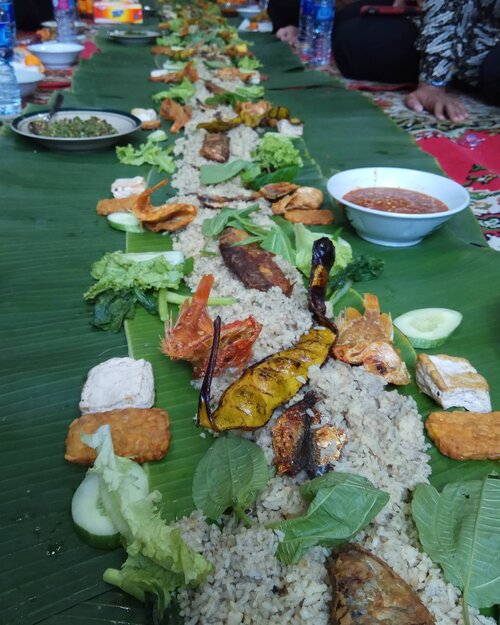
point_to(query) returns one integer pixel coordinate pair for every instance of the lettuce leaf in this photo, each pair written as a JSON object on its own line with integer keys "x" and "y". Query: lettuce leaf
{"x": 159, "y": 561}
{"x": 304, "y": 240}
{"x": 182, "y": 92}
{"x": 117, "y": 272}
{"x": 148, "y": 153}
{"x": 276, "y": 151}
{"x": 249, "y": 63}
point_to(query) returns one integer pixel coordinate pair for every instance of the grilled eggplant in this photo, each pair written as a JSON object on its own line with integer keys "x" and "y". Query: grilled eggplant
{"x": 249, "y": 402}
{"x": 299, "y": 444}
{"x": 366, "y": 591}
{"x": 215, "y": 147}
{"x": 323, "y": 257}
{"x": 254, "y": 266}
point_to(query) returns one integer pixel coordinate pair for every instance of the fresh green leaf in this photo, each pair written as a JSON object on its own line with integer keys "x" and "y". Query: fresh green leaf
{"x": 117, "y": 272}
{"x": 216, "y": 64}
{"x": 342, "y": 505}
{"x": 460, "y": 530}
{"x": 230, "y": 475}
{"x": 239, "y": 218}
{"x": 276, "y": 151}
{"x": 249, "y": 63}
{"x": 304, "y": 240}
{"x": 147, "y": 301}
{"x": 149, "y": 153}
{"x": 360, "y": 268}
{"x": 252, "y": 93}
{"x": 214, "y": 174}
{"x": 169, "y": 40}
{"x": 283, "y": 174}
{"x": 111, "y": 308}
{"x": 182, "y": 92}
{"x": 278, "y": 241}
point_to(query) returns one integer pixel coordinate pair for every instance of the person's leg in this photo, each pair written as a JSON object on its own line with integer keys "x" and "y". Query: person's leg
{"x": 489, "y": 77}
{"x": 375, "y": 47}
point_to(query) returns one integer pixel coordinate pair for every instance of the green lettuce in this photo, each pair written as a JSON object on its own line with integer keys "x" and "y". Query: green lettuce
{"x": 251, "y": 93}
{"x": 249, "y": 63}
{"x": 304, "y": 240}
{"x": 116, "y": 271}
{"x": 159, "y": 561}
{"x": 276, "y": 151}
{"x": 182, "y": 92}
{"x": 149, "y": 153}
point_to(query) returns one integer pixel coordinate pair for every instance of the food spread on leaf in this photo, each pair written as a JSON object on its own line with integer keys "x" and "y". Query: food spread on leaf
{"x": 302, "y": 498}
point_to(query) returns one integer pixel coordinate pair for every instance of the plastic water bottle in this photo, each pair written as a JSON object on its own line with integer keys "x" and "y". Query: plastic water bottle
{"x": 322, "y": 33}
{"x": 306, "y": 22}
{"x": 10, "y": 97}
{"x": 64, "y": 14}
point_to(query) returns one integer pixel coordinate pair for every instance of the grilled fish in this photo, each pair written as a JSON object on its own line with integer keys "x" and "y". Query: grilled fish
{"x": 215, "y": 147}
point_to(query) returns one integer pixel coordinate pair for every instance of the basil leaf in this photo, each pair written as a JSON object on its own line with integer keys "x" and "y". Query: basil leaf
{"x": 215, "y": 225}
{"x": 460, "y": 530}
{"x": 279, "y": 240}
{"x": 230, "y": 475}
{"x": 343, "y": 504}
{"x": 214, "y": 174}
{"x": 283, "y": 174}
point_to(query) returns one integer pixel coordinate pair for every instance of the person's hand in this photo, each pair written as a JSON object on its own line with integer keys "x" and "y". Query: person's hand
{"x": 288, "y": 34}
{"x": 437, "y": 101}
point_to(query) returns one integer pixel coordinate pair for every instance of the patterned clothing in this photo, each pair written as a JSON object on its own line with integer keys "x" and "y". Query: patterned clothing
{"x": 456, "y": 36}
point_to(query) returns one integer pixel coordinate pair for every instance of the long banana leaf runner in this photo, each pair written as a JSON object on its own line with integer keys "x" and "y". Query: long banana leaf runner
{"x": 52, "y": 236}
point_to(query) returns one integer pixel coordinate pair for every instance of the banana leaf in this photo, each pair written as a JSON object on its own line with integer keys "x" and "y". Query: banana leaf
{"x": 51, "y": 237}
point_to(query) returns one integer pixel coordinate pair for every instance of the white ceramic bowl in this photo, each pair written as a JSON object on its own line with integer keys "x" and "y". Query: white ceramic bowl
{"x": 397, "y": 229}
{"x": 52, "y": 25}
{"x": 56, "y": 55}
{"x": 27, "y": 79}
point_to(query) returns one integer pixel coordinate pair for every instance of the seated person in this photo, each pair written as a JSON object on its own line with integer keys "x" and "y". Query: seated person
{"x": 458, "y": 39}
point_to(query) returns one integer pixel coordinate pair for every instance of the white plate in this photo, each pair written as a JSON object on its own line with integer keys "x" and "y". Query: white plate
{"x": 397, "y": 229}
{"x": 264, "y": 27}
{"x": 124, "y": 124}
{"x": 134, "y": 36}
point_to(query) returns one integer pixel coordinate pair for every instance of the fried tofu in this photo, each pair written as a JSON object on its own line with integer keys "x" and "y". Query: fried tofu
{"x": 452, "y": 382}
{"x": 466, "y": 435}
{"x": 118, "y": 383}
{"x": 138, "y": 433}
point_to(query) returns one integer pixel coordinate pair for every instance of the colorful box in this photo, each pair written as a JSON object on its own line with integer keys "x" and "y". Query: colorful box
{"x": 117, "y": 12}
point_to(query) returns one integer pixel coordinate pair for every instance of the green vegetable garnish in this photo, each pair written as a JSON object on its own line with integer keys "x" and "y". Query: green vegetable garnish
{"x": 149, "y": 153}
{"x": 249, "y": 63}
{"x": 276, "y": 151}
{"x": 230, "y": 475}
{"x": 74, "y": 128}
{"x": 304, "y": 240}
{"x": 459, "y": 529}
{"x": 342, "y": 504}
{"x": 181, "y": 92}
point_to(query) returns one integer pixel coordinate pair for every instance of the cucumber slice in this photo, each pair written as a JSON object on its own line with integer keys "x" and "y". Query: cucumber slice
{"x": 89, "y": 517}
{"x": 174, "y": 257}
{"x": 428, "y": 327}
{"x": 125, "y": 222}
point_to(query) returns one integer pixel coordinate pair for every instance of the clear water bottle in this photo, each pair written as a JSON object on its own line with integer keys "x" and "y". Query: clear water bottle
{"x": 322, "y": 33}
{"x": 304, "y": 36}
{"x": 64, "y": 14}
{"x": 10, "y": 97}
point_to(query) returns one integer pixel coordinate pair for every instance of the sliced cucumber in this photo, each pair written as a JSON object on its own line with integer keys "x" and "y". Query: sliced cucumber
{"x": 174, "y": 257}
{"x": 89, "y": 516}
{"x": 428, "y": 327}
{"x": 126, "y": 222}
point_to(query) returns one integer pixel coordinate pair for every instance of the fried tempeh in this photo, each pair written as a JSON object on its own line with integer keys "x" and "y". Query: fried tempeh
{"x": 142, "y": 434}
{"x": 366, "y": 591}
{"x": 215, "y": 147}
{"x": 116, "y": 205}
{"x": 254, "y": 266}
{"x": 466, "y": 435}
{"x": 321, "y": 217}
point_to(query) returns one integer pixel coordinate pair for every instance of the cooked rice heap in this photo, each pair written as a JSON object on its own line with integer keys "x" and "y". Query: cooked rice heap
{"x": 385, "y": 442}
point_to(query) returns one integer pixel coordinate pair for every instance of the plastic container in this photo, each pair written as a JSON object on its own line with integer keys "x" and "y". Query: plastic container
{"x": 305, "y": 34}
{"x": 117, "y": 12}
{"x": 65, "y": 16}
{"x": 321, "y": 46}
{"x": 10, "y": 96}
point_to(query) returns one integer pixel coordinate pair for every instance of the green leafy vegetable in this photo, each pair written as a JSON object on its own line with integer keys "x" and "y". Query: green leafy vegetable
{"x": 251, "y": 93}
{"x": 159, "y": 561}
{"x": 182, "y": 92}
{"x": 279, "y": 240}
{"x": 360, "y": 268}
{"x": 342, "y": 505}
{"x": 149, "y": 153}
{"x": 172, "y": 39}
{"x": 460, "y": 530}
{"x": 214, "y": 174}
{"x": 217, "y": 64}
{"x": 111, "y": 308}
{"x": 255, "y": 179}
{"x": 116, "y": 271}
{"x": 276, "y": 151}
{"x": 238, "y": 218}
{"x": 230, "y": 475}
{"x": 249, "y": 63}
{"x": 304, "y": 240}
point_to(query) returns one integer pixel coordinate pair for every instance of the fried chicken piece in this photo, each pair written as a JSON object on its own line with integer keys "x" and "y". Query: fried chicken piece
{"x": 366, "y": 591}
{"x": 215, "y": 147}
{"x": 142, "y": 434}
{"x": 233, "y": 73}
{"x": 320, "y": 217}
{"x": 254, "y": 266}
{"x": 173, "y": 111}
{"x": 466, "y": 435}
{"x": 189, "y": 71}
{"x": 163, "y": 218}
{"x": 116, "y": 205}
{"x": 303, "y": 198}
{"x": 276, "y": 190}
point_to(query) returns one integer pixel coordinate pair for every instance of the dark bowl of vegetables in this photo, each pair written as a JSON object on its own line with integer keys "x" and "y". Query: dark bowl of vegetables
{"x": 76, "y": 130}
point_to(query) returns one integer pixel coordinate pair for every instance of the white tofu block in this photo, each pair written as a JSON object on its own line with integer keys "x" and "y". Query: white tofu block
{"x": 118, "y": 383}
{"x": 452, "y": 382}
